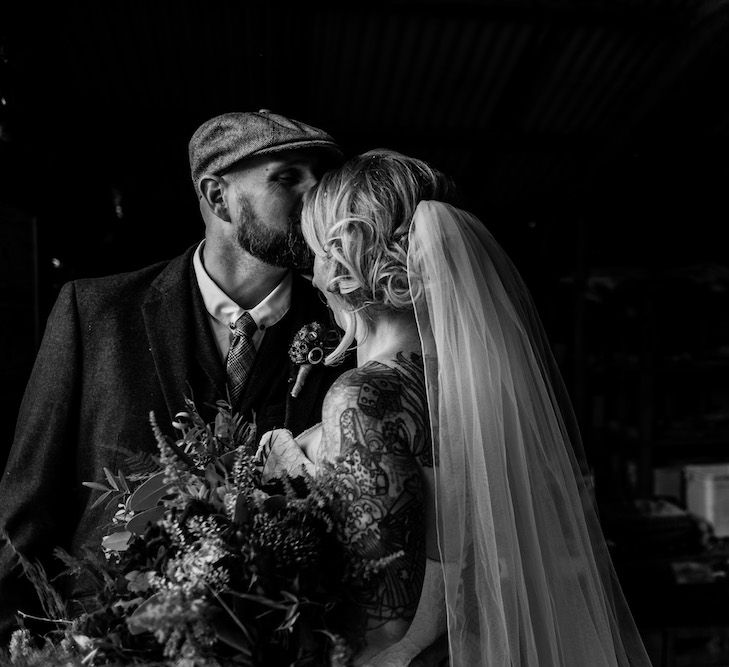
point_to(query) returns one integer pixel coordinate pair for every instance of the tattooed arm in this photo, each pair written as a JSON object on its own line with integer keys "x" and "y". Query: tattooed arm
{"x": 373, "y": 424}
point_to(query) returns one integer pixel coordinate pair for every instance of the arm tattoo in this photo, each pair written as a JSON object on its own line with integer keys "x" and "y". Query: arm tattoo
{"x": 383, "y": 440}
{"x": 383, "y": 390}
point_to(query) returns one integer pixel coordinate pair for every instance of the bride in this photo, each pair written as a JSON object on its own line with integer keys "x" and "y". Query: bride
{"x": 458, "y": 435}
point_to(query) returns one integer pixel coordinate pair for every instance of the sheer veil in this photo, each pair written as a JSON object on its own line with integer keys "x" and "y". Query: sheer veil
{"x": 528, "y": 579}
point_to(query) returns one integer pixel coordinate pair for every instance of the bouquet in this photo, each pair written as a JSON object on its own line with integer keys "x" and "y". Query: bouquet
{"x": 205, "y": 565}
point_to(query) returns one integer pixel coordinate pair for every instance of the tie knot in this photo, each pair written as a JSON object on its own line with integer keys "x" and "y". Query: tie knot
{"x": 244, "y": 326}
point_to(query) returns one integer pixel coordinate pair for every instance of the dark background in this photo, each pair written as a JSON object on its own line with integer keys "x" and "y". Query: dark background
{"x": 590, "y": 136}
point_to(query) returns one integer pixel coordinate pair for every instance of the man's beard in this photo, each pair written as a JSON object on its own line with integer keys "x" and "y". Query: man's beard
{"x": 285, "y": 249}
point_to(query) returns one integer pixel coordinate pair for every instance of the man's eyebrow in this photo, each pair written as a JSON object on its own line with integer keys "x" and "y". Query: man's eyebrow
{"x": 297, "y": 162}
{"x": 282, "y": 164}
{"x": 291, "y": 164}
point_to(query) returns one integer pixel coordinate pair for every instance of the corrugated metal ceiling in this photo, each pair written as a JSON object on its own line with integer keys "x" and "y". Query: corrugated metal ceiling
{"x": 533, "y": 84}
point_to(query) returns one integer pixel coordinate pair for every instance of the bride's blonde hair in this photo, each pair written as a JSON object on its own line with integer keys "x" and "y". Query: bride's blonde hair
{"x": 358, "y": 218}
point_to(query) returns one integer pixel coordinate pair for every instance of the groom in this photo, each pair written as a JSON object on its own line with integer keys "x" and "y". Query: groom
{"x": 214, "y": 322}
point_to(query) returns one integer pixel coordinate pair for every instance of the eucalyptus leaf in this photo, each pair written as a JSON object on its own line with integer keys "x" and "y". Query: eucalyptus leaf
{"x": 97, "y": 486}
{"x": 117, "y": 541}
{"x": 140, "y": 620}
{"x": 112, "y": 480}
{"x": 101, "y": 498}
{"x": 123, "y": 481}
{"x": 148, "y": 494}
{"x": 114, "y": 499}
{"x": 139, "y": 522}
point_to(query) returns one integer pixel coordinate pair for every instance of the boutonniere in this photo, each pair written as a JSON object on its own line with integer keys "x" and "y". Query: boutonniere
{"x": 310, "y": 345}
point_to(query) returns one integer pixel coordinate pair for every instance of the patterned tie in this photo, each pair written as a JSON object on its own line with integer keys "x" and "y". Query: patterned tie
{"x": 240, "y": 355}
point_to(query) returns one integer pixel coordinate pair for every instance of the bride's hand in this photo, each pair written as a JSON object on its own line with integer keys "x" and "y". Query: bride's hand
{"x": 399, "y": 654}
{"x": 279, "y": 453}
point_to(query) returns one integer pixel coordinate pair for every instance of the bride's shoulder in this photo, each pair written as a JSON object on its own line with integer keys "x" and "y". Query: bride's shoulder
{"x": 377, "y": 387}
{"x": 378, "y": 403}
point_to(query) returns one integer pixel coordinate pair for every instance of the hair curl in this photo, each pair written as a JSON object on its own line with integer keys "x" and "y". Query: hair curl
{"x": 358, "y": 217}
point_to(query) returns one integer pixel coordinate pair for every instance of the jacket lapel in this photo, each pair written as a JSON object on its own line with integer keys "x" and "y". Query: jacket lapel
{"x": 206, "y": 349}
{"x": 176, "y": 335}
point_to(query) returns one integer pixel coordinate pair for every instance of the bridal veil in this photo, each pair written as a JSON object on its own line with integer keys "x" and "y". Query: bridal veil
{"x": 528, "y": 579}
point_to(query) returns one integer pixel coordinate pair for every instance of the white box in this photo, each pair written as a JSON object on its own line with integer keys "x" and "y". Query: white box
{"x": 707, "y": 494}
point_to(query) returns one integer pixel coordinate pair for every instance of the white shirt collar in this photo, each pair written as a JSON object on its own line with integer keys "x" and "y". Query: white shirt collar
{"x": 226, "y": 311}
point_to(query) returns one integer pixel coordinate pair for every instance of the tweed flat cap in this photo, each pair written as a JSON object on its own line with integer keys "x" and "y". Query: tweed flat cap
{"x": 224, "y": 140}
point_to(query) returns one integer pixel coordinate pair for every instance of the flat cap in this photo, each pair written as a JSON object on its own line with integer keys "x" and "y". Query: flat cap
{"x": 224, "y": 140}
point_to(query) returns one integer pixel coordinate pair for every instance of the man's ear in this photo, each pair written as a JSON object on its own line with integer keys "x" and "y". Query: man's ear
{"x": 212, "y": 190}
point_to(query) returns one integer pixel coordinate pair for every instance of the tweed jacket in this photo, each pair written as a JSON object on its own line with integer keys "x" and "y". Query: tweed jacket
{"x": 114, "y": 349}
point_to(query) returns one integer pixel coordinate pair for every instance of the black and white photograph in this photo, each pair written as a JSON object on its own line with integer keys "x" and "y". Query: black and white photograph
{"x": 364, "y": 334}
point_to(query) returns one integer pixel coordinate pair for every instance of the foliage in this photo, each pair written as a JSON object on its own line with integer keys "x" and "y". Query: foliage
{"x": 204, "y": 565}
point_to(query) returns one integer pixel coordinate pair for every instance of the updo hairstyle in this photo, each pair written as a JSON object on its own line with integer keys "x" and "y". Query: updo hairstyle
{"x": 358, "y": 218}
